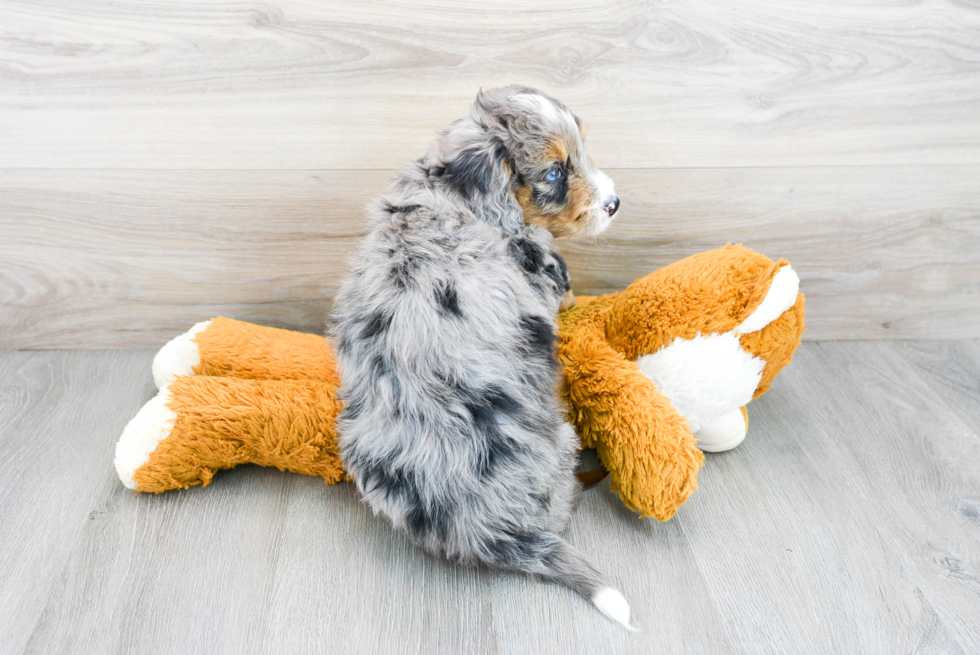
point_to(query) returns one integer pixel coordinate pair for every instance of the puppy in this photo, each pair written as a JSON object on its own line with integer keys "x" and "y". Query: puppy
{"x": 445, "y": 333}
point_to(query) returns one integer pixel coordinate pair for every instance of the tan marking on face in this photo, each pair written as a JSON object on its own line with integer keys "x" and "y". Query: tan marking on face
{"x": 555, "y": 151}
{"x": 570, "y": 219}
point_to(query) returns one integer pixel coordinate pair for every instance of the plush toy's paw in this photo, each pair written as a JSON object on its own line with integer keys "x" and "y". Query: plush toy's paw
{"x": 725, "y": 432}
{"x": 178, "y": 357}
{"x": 151, "y": 425}
{"x": 199, "y": 424}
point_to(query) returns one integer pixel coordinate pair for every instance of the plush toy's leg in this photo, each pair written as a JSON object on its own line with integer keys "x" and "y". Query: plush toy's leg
{"x": 225, "y": 347}
{"x": 642, "y": 441}
{"x": 199, "y": 424}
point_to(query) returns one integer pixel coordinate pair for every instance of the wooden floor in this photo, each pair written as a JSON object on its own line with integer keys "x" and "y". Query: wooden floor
{"x": 848, "y": 522}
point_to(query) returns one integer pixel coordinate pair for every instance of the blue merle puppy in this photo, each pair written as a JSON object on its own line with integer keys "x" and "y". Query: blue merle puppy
{"x": 445, "y": 330}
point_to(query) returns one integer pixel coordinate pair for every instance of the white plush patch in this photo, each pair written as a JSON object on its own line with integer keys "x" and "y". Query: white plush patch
{"x": 614, "y": 605}
{"x": 152, "y": 424}
{"x": 781, "y": 296}
{"x": 704, "y": 377}
{"x": 178, "y": 357}
{"x": 724, "y": 433}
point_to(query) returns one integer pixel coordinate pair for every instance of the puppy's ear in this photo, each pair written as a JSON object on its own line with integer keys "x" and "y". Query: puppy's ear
{"x": 471, "y": 171}
{"x": 479, "y": 168}
{"x": 493, "y": 107}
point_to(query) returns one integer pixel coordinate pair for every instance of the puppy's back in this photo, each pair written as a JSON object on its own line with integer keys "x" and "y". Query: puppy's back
{"x": 451, "y": 425}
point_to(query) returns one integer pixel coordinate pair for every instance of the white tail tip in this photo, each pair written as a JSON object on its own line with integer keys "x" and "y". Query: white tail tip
{"x": 614, "y": 605}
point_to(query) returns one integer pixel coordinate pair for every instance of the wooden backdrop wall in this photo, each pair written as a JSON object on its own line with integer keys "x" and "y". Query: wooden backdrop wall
{"x": 163, "y": 162}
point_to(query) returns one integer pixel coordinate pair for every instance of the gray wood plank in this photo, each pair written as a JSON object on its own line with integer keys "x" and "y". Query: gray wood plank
{"x": 99, "y": 259}
{"x": 130, "y": 258}
{"x": 952, "y": 370}
{"x": 177, "y": 573}
{"x": 882, "y": 252}
{"x": 293, "y": 84}
{"x": 456, "y": 610}
{"x": 59, "y": 414}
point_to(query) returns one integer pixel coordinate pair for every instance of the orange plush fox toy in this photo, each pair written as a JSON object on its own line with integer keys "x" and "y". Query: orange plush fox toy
{"x": 653, "y": 376}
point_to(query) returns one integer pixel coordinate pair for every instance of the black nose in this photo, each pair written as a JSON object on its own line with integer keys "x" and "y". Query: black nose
{"x": 612, "y": 206}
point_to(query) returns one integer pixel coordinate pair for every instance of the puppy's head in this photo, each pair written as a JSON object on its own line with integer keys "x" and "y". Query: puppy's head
{"x": 539, "y": 145}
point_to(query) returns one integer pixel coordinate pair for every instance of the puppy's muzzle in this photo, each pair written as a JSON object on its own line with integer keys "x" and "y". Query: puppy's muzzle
{"x": 611, "y": 205}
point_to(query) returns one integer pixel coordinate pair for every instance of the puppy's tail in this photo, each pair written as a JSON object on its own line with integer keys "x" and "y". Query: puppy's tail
{"x": 550, "y": 557}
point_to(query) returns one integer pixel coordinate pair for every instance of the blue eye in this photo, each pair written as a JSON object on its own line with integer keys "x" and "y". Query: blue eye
{"x": 553, "y": 175}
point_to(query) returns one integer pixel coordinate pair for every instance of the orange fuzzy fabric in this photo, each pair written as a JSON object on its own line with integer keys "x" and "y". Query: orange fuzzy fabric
{"x": 640, "y": 438}
{"x": 244, "y": 350}
{"x": 642, "y": 441}
{"x": 776, "y": 343}
{"x": 268, "y": 396}
{"x": 707, "y": 293}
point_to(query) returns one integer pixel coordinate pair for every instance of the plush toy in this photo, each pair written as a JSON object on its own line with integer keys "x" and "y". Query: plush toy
{"x": 653, "y": 376}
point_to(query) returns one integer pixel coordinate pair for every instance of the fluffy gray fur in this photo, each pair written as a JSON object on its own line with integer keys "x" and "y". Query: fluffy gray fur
{"x": 445, "y": 329}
